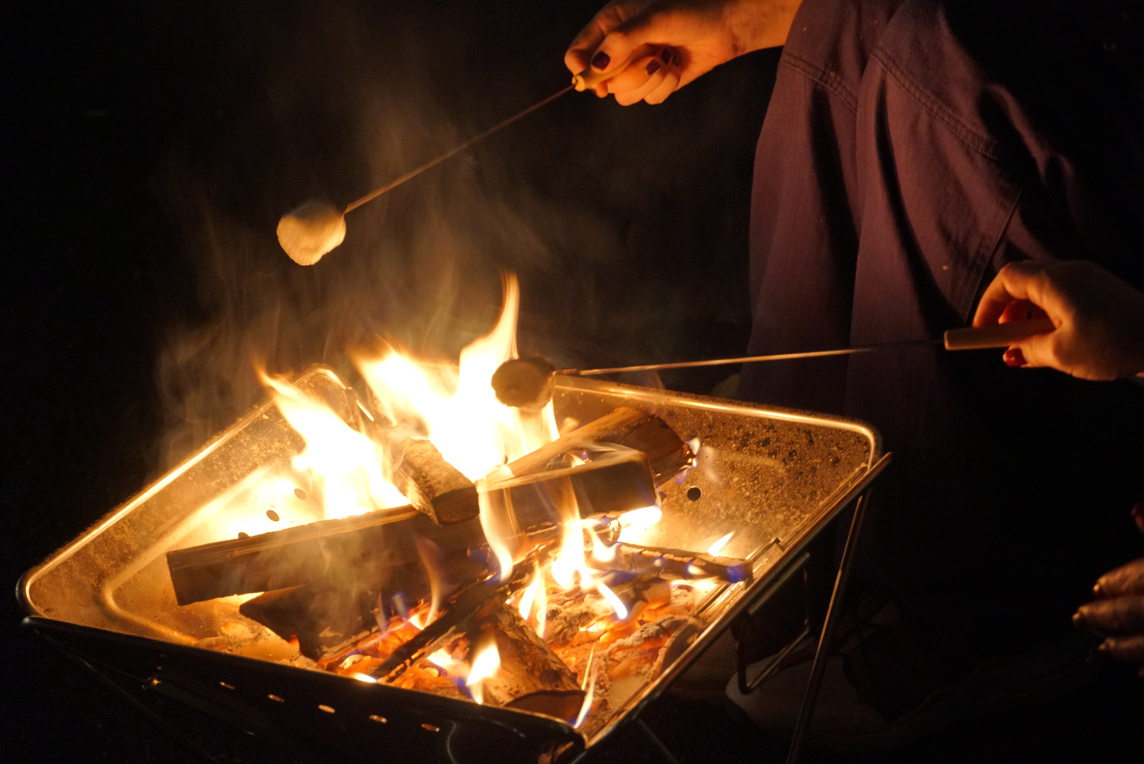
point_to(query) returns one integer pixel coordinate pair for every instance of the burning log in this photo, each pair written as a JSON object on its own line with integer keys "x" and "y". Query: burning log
{"x": 626, "y": 427}
{"x": 673, "y": 563}
{"x": 301, "y": 555}
{"x": 318, "y": 618}
{"x": 431, "y": 484}
{"x": 614, "y": 484}
{"x": 531, "y": 677}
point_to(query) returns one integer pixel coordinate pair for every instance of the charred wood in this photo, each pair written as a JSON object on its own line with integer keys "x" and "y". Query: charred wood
{"x": 311, "y": 554}
{"x": 319, "y": 619}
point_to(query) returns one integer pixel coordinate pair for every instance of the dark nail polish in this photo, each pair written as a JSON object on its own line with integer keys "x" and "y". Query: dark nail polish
{"x": 1014, "y": 357}
{"x": 653, "y": 67}
{"x": 601, "y": 60}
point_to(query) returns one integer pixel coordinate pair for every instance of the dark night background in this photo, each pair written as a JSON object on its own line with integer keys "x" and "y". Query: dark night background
{"x": 148, "y": 151}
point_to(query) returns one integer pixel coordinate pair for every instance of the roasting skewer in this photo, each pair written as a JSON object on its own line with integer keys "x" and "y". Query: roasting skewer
{"x": 528, "y": 382}
{"x": 316, "y": 226}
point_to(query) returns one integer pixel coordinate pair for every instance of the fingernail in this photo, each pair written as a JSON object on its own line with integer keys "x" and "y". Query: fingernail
{"x": 1098, "y": 590}
{"x": 1014, "y": 357}
{"x": 601, "y": 60}
{"x": 653, "y": 67}
{"x": 1078, "y": 619}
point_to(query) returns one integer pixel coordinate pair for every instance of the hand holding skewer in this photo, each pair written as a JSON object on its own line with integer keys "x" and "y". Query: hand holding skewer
{"x": 1096, "y": 320}
{"x": 666, "y": 45}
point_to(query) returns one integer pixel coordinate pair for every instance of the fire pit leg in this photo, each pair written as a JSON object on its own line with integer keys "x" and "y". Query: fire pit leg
{"x": 821, "y": 654}
{"x": 655, "y": 741}
{"x": 747, "y": 686}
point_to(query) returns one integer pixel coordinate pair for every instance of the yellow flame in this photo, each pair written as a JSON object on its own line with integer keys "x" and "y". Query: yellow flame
{"x": 348, "y": 462}
{"x": 528, "y": 598}
{"x": 445, "y": 661}
{"x": 497, "y": 522}
{"x": 589, "y": 688}
{"x": 600, "y": 550}
{"x": 720, "y": 545}
{"x": 613, "y": 600}
{"x": 457, "y": 409}
{"x": 542, "y": 610}
{"x": 485, "y": 664}
{"x": 635, "y": 522}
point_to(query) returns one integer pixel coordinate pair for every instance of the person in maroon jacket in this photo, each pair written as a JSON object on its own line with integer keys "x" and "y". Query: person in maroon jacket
{"x": 911, "y": 149}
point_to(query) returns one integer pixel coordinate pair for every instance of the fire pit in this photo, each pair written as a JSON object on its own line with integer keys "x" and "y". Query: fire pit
{"x": 774, "y": 477}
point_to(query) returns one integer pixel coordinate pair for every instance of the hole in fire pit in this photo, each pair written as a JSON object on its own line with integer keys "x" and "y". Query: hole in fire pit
{"x": 276, "y": 698}
{"x": 300, "y": 493}
{"x": 378, "y": 719}
{"x": 327, "y": 709}
{"x": 273, "y": 515}
{"x": 694, "y": 493}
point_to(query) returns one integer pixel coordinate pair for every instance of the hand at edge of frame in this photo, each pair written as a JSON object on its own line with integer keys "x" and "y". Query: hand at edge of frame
{"x": 1098, "y": 318}
{"x": 666, "y": 44}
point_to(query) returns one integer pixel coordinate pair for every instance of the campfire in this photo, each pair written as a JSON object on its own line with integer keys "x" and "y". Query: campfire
{"x": 544, "y": 569}
{"x": 463, "y": 547}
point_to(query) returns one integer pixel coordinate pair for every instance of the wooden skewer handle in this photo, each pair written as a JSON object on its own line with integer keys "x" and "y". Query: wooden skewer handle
{"x": 997, "y": 336}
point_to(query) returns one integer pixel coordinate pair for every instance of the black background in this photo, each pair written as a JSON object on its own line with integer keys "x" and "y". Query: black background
{"x": 148, "y": 151}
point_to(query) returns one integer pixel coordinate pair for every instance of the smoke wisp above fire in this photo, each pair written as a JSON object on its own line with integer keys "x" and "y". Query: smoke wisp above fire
{"x": 628, "y": 249}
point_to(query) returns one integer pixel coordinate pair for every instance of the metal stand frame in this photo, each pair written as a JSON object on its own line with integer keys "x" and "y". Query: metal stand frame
{"x": 829, "y": 624}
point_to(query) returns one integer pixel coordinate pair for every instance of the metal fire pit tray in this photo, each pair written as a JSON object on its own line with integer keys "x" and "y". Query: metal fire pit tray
{"x": 776, "y": 477}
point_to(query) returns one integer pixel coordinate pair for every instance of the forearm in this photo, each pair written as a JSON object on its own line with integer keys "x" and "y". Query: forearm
{"x": 759, "y": 24}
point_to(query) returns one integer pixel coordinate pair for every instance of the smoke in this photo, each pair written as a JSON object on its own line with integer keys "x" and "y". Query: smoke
{"x": 626, "y": 226}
